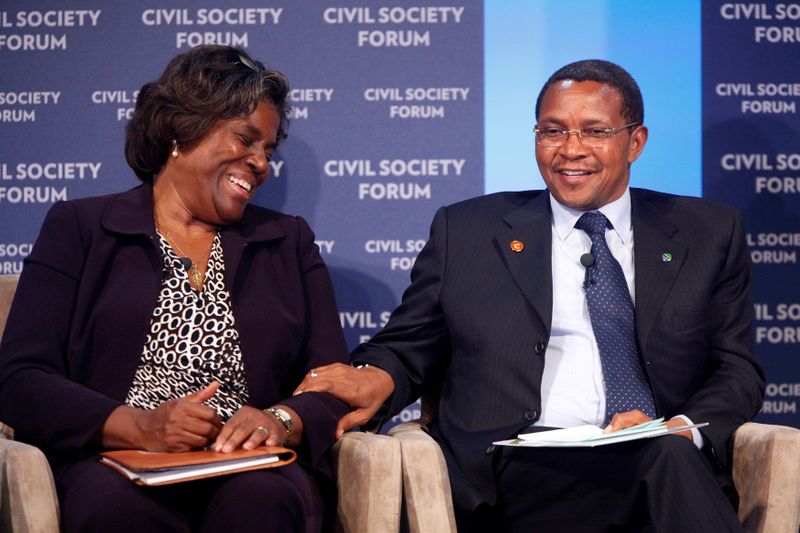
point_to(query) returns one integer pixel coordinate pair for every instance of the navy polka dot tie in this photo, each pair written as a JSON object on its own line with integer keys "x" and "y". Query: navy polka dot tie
{"x": 611, "y": 312}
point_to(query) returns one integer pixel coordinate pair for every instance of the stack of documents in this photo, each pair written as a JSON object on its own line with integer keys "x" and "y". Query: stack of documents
{"x": 588, "y": 436}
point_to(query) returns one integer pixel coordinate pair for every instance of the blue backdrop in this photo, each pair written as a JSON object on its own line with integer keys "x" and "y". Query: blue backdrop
{"x": 400, "y": 108}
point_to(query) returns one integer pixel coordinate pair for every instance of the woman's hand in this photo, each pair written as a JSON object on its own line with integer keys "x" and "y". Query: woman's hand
{"x": 250, "y": 427}
{"x": 363, "y": 389}
{"x": 182, "y": 424}
{"x": 174, "y": 426}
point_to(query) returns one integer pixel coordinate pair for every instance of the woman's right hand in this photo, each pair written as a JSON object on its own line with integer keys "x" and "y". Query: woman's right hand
{"x": 176, "y": 425}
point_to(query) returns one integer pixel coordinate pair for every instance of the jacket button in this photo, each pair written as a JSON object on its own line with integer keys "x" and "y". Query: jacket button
{"x": 539, "y": 348}
{"x": 530, "y": 415}
{"x": 490, "y": 449}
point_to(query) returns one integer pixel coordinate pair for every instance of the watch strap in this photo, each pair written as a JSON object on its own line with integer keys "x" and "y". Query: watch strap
{"x": 283, "y": 417}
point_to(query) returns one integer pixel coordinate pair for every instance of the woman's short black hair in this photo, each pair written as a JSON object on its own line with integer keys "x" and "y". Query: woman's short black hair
{"x": 602, "y": 72}
{"x": 198, "y": 88}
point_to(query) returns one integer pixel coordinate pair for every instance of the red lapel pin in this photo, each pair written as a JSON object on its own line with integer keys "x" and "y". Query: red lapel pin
{"x": 516, "y": 246}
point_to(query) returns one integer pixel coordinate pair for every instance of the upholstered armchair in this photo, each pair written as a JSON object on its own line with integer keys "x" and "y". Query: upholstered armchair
{"x": 27, "y": 496}
{"x": 766, "y": 473}
{"x": 370, "y": 464}
{"x": 389, "y": 483}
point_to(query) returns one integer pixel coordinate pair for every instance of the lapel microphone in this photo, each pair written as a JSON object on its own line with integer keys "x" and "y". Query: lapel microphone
{"x": 587, "y": 260}
{"x": 184, "y": 261}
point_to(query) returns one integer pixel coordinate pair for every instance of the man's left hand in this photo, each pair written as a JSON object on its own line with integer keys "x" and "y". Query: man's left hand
{"x": 626, "y": 420}
{"x": 636, "y": 417}
{"x": 678, "y": 422}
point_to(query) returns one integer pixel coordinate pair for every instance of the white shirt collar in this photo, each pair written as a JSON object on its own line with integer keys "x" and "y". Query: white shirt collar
{"x": 618, "y": 212}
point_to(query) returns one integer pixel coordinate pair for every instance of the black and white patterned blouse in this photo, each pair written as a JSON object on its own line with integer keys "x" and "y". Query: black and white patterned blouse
{"x": 192, "y": 341}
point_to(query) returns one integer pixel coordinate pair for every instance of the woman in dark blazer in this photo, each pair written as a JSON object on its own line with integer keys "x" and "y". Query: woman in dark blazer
{"x": 175, "y": 316}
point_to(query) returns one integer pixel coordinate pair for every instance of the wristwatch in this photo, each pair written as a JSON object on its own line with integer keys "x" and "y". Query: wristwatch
{"x": 284, "y": 418}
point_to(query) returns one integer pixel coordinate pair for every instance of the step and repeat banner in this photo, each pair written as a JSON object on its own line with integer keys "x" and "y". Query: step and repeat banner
{"x": 387, "y": 118}
{"x": 388, "y": 125}
{"x": 751, "y": 159}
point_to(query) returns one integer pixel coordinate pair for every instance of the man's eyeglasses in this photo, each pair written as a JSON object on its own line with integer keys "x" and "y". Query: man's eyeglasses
{"x": 551, "y": 137}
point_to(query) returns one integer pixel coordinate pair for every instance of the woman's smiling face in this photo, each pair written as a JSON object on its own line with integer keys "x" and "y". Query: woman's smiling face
{"x": 221, "y": 173}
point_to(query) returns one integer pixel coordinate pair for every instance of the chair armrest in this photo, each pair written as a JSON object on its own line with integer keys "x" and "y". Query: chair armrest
{"x": 28, "y": 499}
{"x": 369, "y": 478}
{"x": 766, "y": 472}
{"x": 426, "y": 485}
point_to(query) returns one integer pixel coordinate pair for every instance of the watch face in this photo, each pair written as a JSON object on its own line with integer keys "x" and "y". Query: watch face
{"x": 284, "y": 417}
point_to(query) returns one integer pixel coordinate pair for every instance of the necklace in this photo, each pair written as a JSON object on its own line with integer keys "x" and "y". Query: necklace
{"x": 196, "y": 276}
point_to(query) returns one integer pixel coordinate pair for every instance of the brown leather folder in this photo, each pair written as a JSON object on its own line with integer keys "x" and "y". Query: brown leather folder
{"x": 157, "y": 468}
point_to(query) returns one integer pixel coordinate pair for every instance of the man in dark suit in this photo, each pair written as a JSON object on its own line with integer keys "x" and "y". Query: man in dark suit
{"x": 526, "y": 312}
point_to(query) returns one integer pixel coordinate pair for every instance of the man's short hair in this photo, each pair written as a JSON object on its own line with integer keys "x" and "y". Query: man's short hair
{"x": 602, "y": 72}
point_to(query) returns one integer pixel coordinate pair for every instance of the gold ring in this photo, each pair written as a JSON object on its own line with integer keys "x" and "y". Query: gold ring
{"x": 263, "y": 429}
{"x": 314, "y": 373}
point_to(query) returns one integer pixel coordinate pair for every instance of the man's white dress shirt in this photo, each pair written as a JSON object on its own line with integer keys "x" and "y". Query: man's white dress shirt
{"x": 572, "y": 385}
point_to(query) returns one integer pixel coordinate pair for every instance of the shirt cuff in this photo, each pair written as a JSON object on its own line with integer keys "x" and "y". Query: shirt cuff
{"x": 697, "y": 437}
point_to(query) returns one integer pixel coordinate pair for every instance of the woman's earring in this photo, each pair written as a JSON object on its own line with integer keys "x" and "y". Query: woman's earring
{"x": 174, "y": 152}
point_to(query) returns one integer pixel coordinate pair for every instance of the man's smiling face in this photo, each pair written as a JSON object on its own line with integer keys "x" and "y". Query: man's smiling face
{"x": 580, "y": 176}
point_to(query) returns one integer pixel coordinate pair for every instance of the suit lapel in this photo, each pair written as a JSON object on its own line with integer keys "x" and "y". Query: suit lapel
{"x": 254, "y": 227}
{"x": 657, "y": 260}
{"x": 531, "y": 268}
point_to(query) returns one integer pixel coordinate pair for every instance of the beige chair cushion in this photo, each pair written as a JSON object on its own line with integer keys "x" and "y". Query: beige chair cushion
{"x": 766, "y": 472}
{"x": 426, "y": 485}
{"x": 369, "y": 478}
{"x": 8, "y": 284}
{"x": 28, "y": 502}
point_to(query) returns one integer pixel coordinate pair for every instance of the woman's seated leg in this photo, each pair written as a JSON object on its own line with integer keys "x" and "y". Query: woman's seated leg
{"x": 92, "y": 497}
{"x": 279, "y": 499}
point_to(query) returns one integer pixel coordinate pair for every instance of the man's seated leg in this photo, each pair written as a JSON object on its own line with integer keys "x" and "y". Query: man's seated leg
{"x": 663, "y": 484}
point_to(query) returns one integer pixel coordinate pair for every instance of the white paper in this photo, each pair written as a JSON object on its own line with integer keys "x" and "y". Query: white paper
{"x": 590, "y": 436}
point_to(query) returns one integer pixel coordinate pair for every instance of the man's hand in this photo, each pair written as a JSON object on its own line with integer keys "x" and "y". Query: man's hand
{"x": 636, "y": 417}
{"x": 363, "y": 389}
{"x": 680, "y": 422}
{"x": 179, "y": 425}
{"x": 626, "y": 420}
